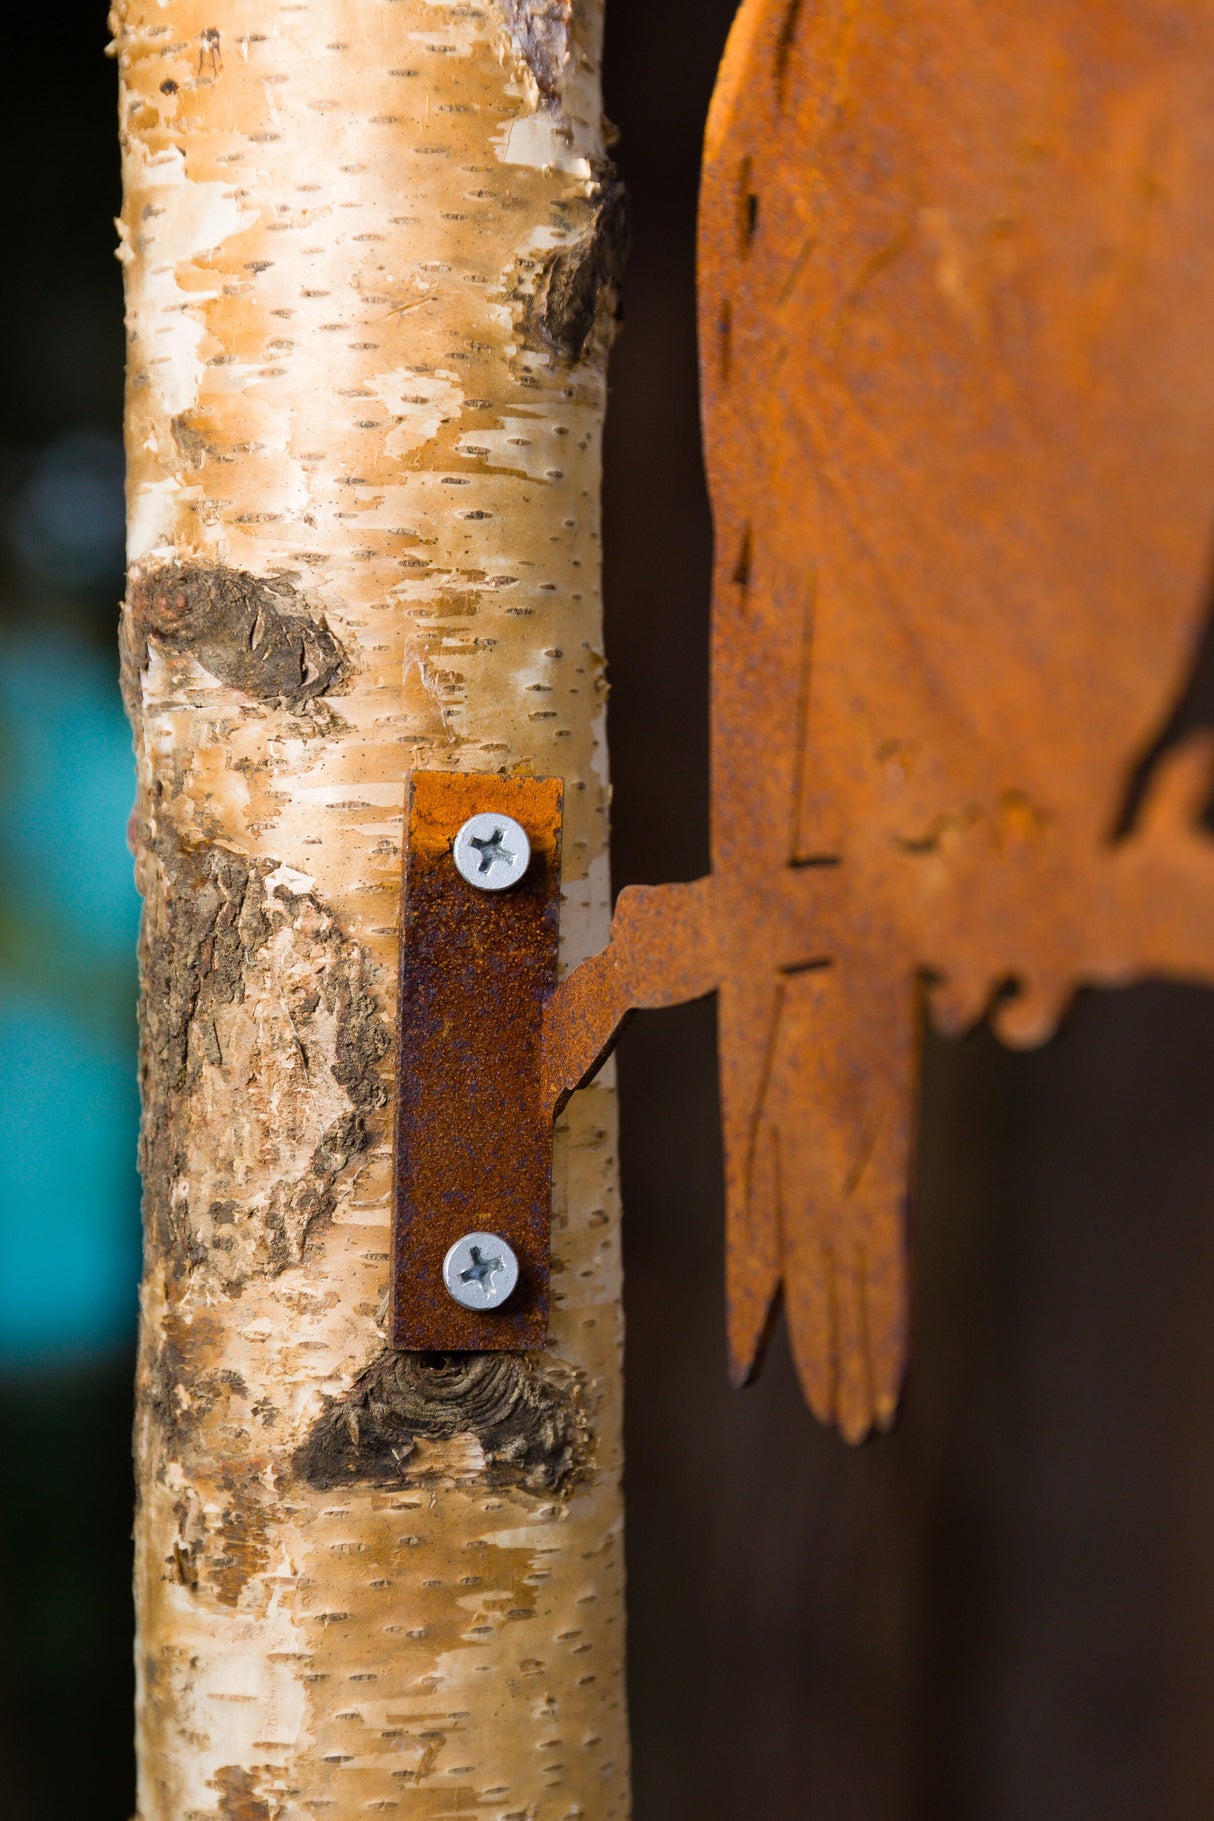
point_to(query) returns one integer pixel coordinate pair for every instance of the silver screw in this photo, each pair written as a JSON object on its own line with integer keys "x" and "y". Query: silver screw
{"x": 492, "y": 852}
{"x": 480, "y": 1271}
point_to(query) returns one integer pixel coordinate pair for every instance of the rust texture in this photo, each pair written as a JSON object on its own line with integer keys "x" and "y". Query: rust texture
{"x": 955, "y": 271}
{"x": 473, "y": 1135}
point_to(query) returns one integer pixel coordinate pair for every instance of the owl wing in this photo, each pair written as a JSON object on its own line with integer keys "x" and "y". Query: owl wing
{"x": 955, "y": 270}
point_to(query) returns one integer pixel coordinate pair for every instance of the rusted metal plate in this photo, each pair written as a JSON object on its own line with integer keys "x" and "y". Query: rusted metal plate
{"x": 955, "y": 271}
{"x": 473, "y": 1134}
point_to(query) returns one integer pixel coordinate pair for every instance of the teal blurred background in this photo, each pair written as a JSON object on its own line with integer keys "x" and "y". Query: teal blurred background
{"x": 69, "y": 1208}
{"x": 68, "y": 925}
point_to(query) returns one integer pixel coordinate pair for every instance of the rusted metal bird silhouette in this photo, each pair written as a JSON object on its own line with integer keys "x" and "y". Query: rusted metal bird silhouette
{"x": 956, "y": 271}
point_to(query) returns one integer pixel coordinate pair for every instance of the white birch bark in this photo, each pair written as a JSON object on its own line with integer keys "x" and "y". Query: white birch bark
{"x": 368, "y": 248}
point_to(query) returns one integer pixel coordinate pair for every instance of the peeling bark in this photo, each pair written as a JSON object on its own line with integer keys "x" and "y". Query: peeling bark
{"x": 258, "y": 1009}
{"x": 370, "y": 255}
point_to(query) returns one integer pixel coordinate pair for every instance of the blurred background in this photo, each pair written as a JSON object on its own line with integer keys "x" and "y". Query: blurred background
{"x": 1003, "y": 1613}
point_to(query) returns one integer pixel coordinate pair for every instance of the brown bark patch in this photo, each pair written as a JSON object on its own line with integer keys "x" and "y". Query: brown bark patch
{"x": 185, "y": 1555}
{"x": 258, "y": 1013}
{"x": 540, "y": 30}
{"x": 175, "y": 1394}
{"x": 238, "y": 1798}
{"x": 525, "y": 1414}
{"x": 242, "y": 1542}
{"x": 164, "y": 1373}
{"x": 582, "y": 278}
{"x": 255, "y": 635}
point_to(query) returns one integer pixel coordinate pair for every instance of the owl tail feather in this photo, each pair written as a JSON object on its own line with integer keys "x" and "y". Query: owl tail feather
{"x": 828, "y": 1194}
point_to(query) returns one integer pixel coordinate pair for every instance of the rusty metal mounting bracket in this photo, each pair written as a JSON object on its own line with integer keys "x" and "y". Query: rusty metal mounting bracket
{"x": 473, "y": 1134}
{"x": 490, "y": 1048}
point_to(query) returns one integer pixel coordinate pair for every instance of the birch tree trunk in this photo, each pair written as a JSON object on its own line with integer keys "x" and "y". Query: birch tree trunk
{"x": 369, "y": 250}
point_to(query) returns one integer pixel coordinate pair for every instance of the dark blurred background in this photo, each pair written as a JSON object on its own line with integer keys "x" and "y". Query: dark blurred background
{"x": 1003, "y": 1613}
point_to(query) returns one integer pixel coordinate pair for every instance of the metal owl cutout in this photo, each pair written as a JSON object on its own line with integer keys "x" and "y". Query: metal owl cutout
{"x": 956, "y": 270}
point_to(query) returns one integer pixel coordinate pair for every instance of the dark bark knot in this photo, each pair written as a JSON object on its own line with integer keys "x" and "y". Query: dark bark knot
{"x": 582, "y": 277}
{"x": 255, "y": 635}
{"x": 540, "y": 30}
{"x": 526, "y": 1417}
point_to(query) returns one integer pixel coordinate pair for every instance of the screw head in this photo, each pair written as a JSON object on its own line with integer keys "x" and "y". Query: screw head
{"x": 480, "y": 1271}
{"x": 491, "y": 851}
